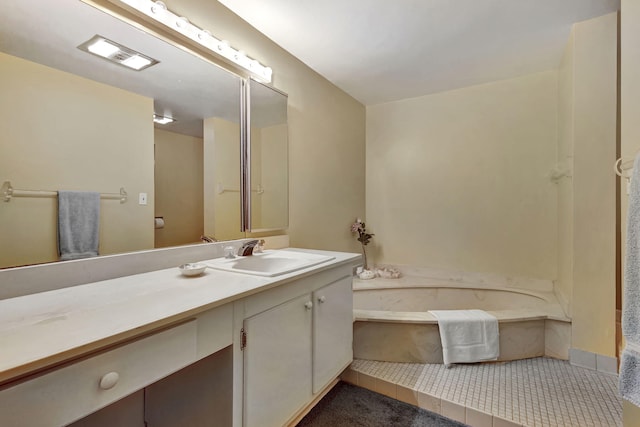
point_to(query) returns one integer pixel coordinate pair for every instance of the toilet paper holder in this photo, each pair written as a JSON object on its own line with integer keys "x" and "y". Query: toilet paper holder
{"x": 159, "y": 222}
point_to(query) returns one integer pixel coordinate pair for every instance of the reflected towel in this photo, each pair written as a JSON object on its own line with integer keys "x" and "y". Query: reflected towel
{"x": 629, "y": 379}
{"x": 467, "y": 335}
{"x": 78, "y": 224}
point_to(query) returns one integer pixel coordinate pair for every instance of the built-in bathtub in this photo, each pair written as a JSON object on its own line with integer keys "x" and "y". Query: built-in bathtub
{"x": 392, "y": 323}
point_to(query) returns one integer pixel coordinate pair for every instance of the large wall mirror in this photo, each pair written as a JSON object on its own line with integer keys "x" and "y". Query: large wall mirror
{"x": 71, "y": 120}
{"x": 268, "y": 195}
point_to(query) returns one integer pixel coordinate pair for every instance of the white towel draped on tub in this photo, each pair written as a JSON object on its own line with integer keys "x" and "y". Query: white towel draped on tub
{"x": 467, "y": 335}
{"x": 630, "y": 365}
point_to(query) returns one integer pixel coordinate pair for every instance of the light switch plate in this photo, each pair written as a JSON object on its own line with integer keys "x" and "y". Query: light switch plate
{"x": 142, "y": 199}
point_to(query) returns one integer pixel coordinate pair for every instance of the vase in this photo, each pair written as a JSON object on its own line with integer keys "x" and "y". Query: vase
{"x": 364, "y": 255}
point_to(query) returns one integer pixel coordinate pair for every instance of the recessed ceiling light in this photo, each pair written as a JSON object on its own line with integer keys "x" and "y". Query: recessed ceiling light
{"x": 136, "y": 62}
{"x": 162, "y": 120}
{"x": 117, "y": 53}
{"x": 102, "y": 48}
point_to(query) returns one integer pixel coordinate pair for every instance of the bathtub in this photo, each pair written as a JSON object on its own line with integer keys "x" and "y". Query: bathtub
{"x": 391, "y": 322}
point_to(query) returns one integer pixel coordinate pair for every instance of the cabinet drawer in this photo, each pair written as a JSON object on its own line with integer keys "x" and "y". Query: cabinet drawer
{"x": 265, "y": 300}
{"x": 76, "y": 390}
{"x": 215, "y": 330}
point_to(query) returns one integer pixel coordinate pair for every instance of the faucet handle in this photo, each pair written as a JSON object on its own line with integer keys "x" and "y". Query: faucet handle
{"x": 259, "y": 246}
{"x": 229, "y": 252}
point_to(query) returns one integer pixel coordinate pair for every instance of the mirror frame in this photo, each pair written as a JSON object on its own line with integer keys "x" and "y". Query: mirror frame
{"x": 245, "y": 158}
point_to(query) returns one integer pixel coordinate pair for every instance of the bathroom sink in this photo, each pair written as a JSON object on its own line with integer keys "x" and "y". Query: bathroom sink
{"x": 269, "y": 263}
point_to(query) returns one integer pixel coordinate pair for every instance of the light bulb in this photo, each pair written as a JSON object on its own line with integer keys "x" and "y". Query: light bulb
{"x": 103, "y": 48}
{"x": 158, "y": 7}
{"x": 136, "y": 62}
{"x": 182, "y": 22}
{"x": 204, "y": 34}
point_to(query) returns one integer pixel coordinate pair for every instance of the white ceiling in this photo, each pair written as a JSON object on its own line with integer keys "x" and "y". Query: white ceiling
{"x": 385, "y": 50}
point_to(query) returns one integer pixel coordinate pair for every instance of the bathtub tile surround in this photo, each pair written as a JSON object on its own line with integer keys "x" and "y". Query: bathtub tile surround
{"x": 475, "y": 278}
{"x": 539, "y": 392}
{"x": 557, "y": 337}
{"x": 453, "y": 410}
{"x": 477, "y": 418}
{"x": 392, "y": 322}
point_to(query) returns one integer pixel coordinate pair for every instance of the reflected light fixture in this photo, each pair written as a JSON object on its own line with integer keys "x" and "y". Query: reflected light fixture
{"x": 162, "y": 120}
{"x": 117, "y": 53}
{"x": 158, "y": 11}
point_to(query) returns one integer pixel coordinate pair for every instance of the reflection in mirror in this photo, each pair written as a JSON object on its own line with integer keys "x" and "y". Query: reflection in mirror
{"x": 72, "y": 120}
{"x": 268, "y": 139}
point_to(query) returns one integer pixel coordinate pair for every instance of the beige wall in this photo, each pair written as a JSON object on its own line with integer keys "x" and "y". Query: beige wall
{"x": 564, "y": 280}
{"x": 326, "y": 134}
{"x": 594, "y": 188}
{"x": 630, "y": 126}
{"x": 271, "y": 174}
{"x": 222, "y": 167}
{"x": 178, "y": 188}
{"x": 256, "y": 178}
{"x": 460, "y": 180}
{"x": 62, "y": 132}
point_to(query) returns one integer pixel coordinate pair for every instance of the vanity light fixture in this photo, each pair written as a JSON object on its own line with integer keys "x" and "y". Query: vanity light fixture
{"x": 158, "y": 11}
{"x": 117, "y": 53}
{"x": 162, "y": 120}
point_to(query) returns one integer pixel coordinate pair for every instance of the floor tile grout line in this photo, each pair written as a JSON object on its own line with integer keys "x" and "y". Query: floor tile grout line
{"x": 588, "y": 397}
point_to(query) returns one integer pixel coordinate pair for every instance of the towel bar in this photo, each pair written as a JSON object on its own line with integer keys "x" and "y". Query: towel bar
{"x": 8, "y": 192}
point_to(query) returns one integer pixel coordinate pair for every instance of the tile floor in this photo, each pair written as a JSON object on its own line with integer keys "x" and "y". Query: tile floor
{"x": 537, "y": 392}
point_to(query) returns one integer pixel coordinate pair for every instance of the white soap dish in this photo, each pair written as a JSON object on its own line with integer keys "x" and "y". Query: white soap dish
{"x": 192, "y": 269}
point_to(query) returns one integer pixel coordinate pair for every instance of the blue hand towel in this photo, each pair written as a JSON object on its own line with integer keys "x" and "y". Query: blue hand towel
{"x": 629, "y": 379}
{"x": 78, "y": 224}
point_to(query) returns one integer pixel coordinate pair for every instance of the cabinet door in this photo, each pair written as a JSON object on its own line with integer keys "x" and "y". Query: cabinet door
{"x": 277, "y": 363}
{"x": 332, "y": 331}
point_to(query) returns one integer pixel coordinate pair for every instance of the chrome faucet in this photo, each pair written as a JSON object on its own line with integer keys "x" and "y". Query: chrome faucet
{"x": 247, "y": 248}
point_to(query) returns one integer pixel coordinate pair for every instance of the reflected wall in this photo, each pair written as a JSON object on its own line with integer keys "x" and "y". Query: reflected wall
{"x": 268, "y": 159}
{"x": 61, "y": 131}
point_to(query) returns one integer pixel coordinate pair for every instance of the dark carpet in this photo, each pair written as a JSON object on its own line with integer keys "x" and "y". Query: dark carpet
{"x": 348, "y": 405}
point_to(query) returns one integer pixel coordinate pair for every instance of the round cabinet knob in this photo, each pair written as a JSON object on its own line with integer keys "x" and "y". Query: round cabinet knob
{"x": 109, "y": 380}
{"x": 322, "y": 299}
{"x": 308, "y": 305}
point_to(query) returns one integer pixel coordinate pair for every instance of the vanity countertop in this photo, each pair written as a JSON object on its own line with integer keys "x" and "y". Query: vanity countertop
{"x": 48, "y": 328}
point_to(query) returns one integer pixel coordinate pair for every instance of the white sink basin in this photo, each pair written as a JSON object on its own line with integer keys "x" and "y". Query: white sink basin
{"x": 269, "y": 263}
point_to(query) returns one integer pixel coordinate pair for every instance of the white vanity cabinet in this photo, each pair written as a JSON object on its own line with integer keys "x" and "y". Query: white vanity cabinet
{"x": 298, "y": 339}
{"x": 332, "y": 331}
{"x": 277, "y": 362}
{"x": 156, "y": 349}
{"x": 79, "y": 388}
{"x": 95, "y": 381}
